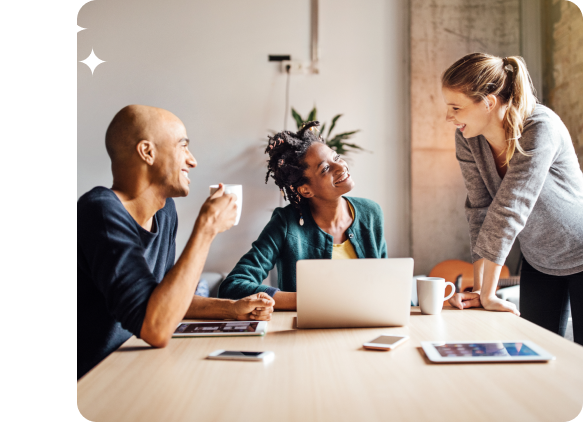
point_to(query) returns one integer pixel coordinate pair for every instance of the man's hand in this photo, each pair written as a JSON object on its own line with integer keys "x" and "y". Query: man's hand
{"x": 218, "y": 213}
{"x": 258, "y": 306}
{"x": 465, "y": 300}
{"x": 496, "y": 304}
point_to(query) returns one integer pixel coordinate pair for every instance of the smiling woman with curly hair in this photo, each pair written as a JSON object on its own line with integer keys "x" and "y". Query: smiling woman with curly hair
{"x": 320, "y": 222}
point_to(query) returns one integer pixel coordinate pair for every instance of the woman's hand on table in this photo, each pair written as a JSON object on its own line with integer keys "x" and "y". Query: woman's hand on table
{"x": 255, "y": 307}
{"x": 465, "y": 300}
{"x": 494, "y": 303}
{"x": 488, "y": 297}
{"x": 285, "y": 301}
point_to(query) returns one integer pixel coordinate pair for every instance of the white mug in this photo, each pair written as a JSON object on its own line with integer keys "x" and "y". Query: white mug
{"x": 430, "y": 291}
{"x": 234, "y": 189}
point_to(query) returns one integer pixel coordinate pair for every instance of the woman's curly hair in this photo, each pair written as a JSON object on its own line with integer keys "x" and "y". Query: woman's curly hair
{"x": 286, "y": 164}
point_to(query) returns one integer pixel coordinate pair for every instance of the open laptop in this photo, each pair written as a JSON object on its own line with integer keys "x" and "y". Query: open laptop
{"x": 353, "y": 292}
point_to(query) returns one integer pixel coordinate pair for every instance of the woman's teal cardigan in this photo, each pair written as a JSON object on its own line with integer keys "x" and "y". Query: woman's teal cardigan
{"x": 283, "y": 242}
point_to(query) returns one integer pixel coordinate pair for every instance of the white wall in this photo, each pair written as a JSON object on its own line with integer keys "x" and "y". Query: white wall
{"x": 206, "y": 61}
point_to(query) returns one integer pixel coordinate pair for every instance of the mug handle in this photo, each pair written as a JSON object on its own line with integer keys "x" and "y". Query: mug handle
{"x": 452, "y": 290}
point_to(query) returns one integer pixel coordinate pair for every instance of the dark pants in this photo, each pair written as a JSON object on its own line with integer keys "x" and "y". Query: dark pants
{"x": 544, "y": 300}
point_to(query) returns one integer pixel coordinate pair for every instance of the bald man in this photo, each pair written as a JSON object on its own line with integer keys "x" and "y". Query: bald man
{"x": 127, "y": 280}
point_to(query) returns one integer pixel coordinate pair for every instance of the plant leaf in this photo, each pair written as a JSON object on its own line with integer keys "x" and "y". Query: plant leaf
{"x": 333, "y": 143}
{"x": 337, "y": 142}
{"x": 297, "y": 118}
{"x": 312, "y": 115}
{"x": 337, "y": 148}
{"x": 354, "y": 146}
{"x": 333, "y": 123}
{"x": 322, "y": 129}
{"x": 344, "y": 135}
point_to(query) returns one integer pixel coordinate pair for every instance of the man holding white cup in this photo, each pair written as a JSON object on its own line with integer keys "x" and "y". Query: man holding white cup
{"x": 236, "y": 190}
{"x": 127, "y": 280}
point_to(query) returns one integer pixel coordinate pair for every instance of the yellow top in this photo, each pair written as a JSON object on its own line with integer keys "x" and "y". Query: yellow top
{"x": 345, "y": 250}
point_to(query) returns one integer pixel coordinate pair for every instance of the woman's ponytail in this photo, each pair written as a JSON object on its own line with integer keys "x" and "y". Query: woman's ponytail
{"x": 521, "y": 102}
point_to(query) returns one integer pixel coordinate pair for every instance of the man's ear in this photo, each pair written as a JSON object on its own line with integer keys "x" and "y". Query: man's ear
{"x": 305, "y": 191}
{"x": 146, "y": 151}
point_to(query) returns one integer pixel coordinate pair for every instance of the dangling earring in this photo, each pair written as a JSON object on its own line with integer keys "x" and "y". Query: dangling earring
{"x": 299, "y": 199}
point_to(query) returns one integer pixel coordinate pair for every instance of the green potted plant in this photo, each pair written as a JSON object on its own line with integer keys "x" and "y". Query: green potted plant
{"x": 337, "y": 142}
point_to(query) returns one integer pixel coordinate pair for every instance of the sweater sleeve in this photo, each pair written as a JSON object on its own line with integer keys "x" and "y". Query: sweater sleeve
{"x": 518, "y": 192}
{"x": 382, "y": 246}
{"x": 114, "y": 253}
{"x": 383, "y": 249}
{"x": 478, "y": 199}
{"x": 248, "y": 275}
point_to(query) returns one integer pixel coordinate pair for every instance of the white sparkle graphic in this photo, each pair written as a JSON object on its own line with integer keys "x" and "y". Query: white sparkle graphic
{"x": 35, "y": 69}
{"x": 92, "y": 61}
{"x": 67, "y": 28}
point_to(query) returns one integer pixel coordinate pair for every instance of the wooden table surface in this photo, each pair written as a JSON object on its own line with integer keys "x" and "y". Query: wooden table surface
{"x": 326, "y": 375}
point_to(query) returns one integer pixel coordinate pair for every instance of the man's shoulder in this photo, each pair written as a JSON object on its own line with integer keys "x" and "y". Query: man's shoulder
{"x": 98, "y": 196}
{"x": 101, "y": 200}
{"x": 99, "y": 205}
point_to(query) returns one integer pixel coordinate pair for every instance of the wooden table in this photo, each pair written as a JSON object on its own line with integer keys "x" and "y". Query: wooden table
{"x": 326, "y": 375}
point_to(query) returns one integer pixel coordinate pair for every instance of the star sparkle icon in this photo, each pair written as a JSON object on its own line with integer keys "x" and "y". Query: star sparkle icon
{"x": 35, "y": 69}
{"x": 67, "y": 28}
{"x": 92, "y": 61}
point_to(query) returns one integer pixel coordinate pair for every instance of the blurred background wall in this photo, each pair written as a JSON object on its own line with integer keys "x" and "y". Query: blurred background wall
{"x": 207, "y": 62}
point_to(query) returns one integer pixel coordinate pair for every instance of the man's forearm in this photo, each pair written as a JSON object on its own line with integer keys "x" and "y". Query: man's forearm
{"x": 171, "y": 299}
{"x": 210, "y": 308}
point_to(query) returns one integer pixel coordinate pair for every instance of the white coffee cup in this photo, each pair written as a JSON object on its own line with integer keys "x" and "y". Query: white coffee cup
{"x": 430, "y": 291}
{"x": 234, "y": 189}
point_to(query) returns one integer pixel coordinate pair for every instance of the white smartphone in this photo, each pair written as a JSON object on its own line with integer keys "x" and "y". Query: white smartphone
{"x": 238, "y": 355}
{"x": 385, "y": 342}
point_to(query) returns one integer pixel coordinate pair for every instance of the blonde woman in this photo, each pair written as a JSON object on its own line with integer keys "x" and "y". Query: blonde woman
{"x": 523, "y": 181}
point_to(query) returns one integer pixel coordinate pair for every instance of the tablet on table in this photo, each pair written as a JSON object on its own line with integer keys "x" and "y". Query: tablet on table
{"x": 485, "y": 351}
{"x": 222, "y": 328}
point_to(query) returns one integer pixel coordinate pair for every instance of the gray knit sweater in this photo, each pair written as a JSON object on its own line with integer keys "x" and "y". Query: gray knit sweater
{"x": 540, "y": 199}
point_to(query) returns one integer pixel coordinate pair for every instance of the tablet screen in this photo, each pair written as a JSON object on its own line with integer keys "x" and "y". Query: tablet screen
{"x": 450, "y": 350}
{"x": 216, "y": 327}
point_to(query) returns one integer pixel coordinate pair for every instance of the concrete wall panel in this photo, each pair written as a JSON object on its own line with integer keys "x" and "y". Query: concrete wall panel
{"x": 564, "y": 66}
{"x": 441, "y": 32}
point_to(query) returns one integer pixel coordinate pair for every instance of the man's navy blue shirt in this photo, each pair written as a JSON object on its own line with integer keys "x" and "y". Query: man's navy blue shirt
{"x": 119, "y": 264}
